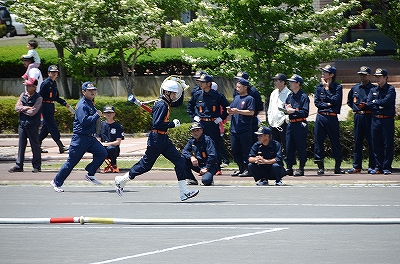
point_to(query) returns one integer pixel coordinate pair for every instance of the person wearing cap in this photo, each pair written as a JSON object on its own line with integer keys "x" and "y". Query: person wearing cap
{"x": 33, "y": 73}
{"x": 277, "y": 119}
{"x": 200, "y": 156}
{"x": 265, "y": 158}
{"x": 297, "y": 106}
{"x": 356, "y": 100}
{"x": 111, "y": 135}
{"x": 196, "y": 76}
{"x": 382, "y": 99}
{"x": 159, "y": 143}
{"x": 49, "y": 93}
{"x": 259, "y": 104}
{"x": 328, "y": 100}
{"x": 83, "y": 139}
{"x": 241, "y": 111}
{"x": 208, "y": 107}
{"x": 28, "y": 108}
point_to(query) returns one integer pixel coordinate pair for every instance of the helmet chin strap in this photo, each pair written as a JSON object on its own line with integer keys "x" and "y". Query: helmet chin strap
{"x": 167, "y": 95}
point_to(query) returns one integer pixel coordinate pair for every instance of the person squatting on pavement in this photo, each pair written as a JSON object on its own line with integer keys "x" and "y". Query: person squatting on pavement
{"x": 328, "y": 100}
{"x": 200, "y": 155}
{"x": 49, "y": 93}
{"x": 277, "y": 119}
{"x": 205, "y": 107}
{"x": 297, "y": 106}
{"x": 241, "y": 111}
{"x": 259, "y": 104}
{"x": 28, "y": 107}
{"x": 265, "y": 159}
{"x": 382, "y": 100}
{"x": 159, "y": 143}
{"x": 356, "y": 100}
{"x": 83, "y": 139}
{"x": 111, "y": 135}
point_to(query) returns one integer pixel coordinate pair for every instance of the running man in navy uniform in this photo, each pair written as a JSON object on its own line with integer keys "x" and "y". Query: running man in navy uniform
{"x": 382, "y": 100}
{"x": 83, "y": 139}
{"x": 328, "y": 100}
{"x": 297, "y": 106}
{"x": 50, "y": 94}
{"x": 159, "y": 143}
{"x": 200, "y": 156}
{"x": 357, "y": 99}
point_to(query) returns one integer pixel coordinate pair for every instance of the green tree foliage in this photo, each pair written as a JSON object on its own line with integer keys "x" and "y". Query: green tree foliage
{"x": 288, "y": 36}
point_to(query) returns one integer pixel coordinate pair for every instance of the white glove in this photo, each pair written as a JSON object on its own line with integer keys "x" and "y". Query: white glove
{"x": 218, "y": 120}
{"x": 176, "y": 122}
{"x": 196, "y": 118}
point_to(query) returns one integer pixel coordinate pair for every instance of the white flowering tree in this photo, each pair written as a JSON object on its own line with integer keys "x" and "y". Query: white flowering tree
{"x": 288, "y": 36}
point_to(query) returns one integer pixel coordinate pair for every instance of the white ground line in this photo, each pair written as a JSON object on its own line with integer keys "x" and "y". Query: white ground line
{"x": 189, "y": 245}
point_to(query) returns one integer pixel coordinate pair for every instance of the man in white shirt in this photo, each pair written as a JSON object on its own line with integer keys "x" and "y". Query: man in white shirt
{"x": 33, "y": 73}
{"x": 277, "y": 119}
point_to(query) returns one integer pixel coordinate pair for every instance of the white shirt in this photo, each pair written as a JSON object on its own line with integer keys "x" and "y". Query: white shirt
{"x": 277, "y": 99}
{"x": 37, "y": 74}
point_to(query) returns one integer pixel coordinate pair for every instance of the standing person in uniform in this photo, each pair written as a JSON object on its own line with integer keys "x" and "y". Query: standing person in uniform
{"x": 265, "y": 159}
{"x": 111, "y": 135}
{"x": 328, "y": 100}
{"x": 298, "y": 107}
{"x": 382, "y": 100}
{"x": 200, "y": 155}
{"x": 28, "y": 107}
{"x": 242, "y": 111}
{"x": 33, "y": 73}
{"x": 32, "y": 45}
{"x": 49, "y": 93}
{"x": 357, "y": 99}
{"x": 205, "y": 107}
{"x": 277, "y": 119}
{"x": 159, "y": 143}
{"x": 259, "y": 104}
{"x": 83, "y": 139}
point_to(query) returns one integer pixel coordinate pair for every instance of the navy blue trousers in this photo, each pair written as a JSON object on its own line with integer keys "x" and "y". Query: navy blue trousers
{"x": 296, "y": 139}
{"x": 327, "y": 126}
{"x": 362, "y": 129}
{"x": 49, "y": 124}
{"x": 266, "y": 171}
{"x": 382, "y": 131}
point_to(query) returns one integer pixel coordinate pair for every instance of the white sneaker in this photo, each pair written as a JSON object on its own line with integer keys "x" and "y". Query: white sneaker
{"x": 120, "y": 182}
{"x": 56, "y": 188}
{"x": 188, "y": 195}
{"x": 92, "y": 179}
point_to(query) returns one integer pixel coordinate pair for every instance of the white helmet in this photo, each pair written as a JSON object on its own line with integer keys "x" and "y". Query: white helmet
{"x": 170, "y": 85}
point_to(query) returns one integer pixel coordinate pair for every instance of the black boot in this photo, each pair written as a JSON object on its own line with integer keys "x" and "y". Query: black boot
{"x": 245, "y": 172}
{"x": 289, "y": 171}
{"x": 300, "y": 171}
{"x": 338, "y": 170}
{"x": 321, "y": 167}
{"x": 61, "y": 147}
{"x": 240, "y": 170}
{"x": 42, "y": 150}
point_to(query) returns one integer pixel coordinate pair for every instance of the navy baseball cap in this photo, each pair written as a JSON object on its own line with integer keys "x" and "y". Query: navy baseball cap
{"x": 205, "y": 78}
{"x": 242, "y": 74}
{"x": 263, "y": 131}
{"x": 380, "y": 72}
{"x": 296, "y": 78}
{"x": 108, "y": 109}
{"x": 88, "y": 86}
{"x": 52, "y": 68}
{"x": 280, "y": 76}
{"x": 364, "y": 70}
{"x": 243, "y": 81}
{"x": 198, "y": 74}
{"x": 329, "y": 68}
{"x": 195, "y": 125}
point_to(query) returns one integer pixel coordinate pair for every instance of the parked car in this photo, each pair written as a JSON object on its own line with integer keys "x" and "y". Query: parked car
{"x": 19, "y": 27}
{"x": 5, "y": 19}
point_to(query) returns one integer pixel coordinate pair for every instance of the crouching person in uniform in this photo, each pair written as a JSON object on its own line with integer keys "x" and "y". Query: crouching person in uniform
{"x": 200, "y": 155}
{"x": 265, "y": 159}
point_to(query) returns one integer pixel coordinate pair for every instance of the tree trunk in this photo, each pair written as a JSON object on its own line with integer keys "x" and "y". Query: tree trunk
{"x": 62, "y": 71}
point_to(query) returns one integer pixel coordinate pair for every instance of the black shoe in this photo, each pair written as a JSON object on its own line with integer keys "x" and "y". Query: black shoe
{"x": 43, "y": 151}
{"x": 63, "y": 149}
{"x": 192, "y": 182}
{"x": 246, "y": 173}
{"x": 320, "y": 172}
{"x": 236, "y": 173}
{"x": 289, "y": 172}
{"x": 339, "y": 171}
{"x": 35, "y": 170}
{"x": 15, "y": 169}
{"x": 299, "y": 172}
